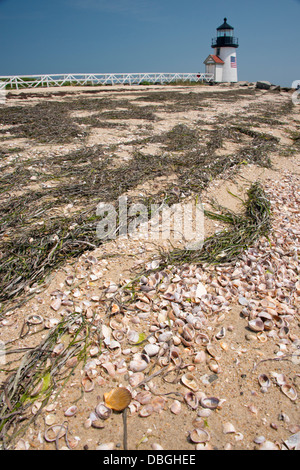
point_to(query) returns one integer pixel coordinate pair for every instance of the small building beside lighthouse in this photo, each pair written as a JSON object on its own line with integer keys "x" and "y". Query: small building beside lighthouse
{"x": 223, "y": 63}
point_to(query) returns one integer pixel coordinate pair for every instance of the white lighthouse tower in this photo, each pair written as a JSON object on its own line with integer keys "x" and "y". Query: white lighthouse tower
{"x": 223, "y": 63}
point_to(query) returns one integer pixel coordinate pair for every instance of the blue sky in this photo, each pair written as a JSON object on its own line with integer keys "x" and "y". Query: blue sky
{"x": 103, "y": 36}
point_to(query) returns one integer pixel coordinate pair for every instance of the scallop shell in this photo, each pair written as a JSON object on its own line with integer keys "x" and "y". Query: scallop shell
{"x": 118, "y": 398}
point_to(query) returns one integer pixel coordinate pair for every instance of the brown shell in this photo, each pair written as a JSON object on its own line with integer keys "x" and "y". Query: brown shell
{"x": 118, "y": 398}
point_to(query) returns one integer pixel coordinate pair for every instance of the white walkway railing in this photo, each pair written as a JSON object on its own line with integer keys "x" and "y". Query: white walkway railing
{"x": 79, "y": 79}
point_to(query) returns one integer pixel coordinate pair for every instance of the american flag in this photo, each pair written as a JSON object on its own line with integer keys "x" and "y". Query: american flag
{"x": 233, "y": 62}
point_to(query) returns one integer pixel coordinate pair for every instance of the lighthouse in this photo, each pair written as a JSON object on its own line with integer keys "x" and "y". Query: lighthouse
{"x": 223, "y": 63}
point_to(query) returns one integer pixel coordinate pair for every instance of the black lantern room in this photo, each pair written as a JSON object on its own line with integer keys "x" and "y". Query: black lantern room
{"x": 225, "y": 37}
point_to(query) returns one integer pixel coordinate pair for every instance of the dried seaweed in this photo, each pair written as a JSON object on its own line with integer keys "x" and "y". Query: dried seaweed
{"x": 225, "y": 246}
{"x": 41, "y": 371}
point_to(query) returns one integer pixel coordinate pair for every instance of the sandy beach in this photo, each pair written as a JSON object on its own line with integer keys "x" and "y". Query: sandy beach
{"x": 223, "y": 372}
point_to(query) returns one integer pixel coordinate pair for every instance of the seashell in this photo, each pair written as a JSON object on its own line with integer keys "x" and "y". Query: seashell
{"x": 138, "y": 364}
{"x": 200, "y": 291}
{"x": 190, "y": 381}
{"x": 268, "y": 445}
{"x": 50, "y": 419}
{"x": 252, "y": 408}
{"x": 103, "y": 411}
{"x": 51, "y": 322}
{"x": 106, "y": 446}
{"x": 91, "y": 259}
{"x": 289, "y": 391}
{"x": 210, "y": 402}
{"x": 228, "y": 428}
{"x": 188, "y": 332}
{"x": 34, "y": 319}
{"x": 158, "y": 404}
{"x": 55, "y": 432}
{"x": 144, "y": 397}
{"x": 156, "y": 446}
{"x": 202, "y": 339}
{"x": 143, "y": 306}
{"x": 22, "y": 445}
{"x": 221, "y": 334}
{"x": 293, "y": 442}
{"x": 204, "y": 446}
{"x": 118, "y": 398}
{"x": 58, "y": 349}
{"x": 281, "y": 379}
{"x": 213, "y": 351}
{"x": 204, "y": 413}
{"x": 268, "y": 325}
{"x": 175, "y": 408}
{"x": 146, "y": 410}
{"x": 71, "y": 411}
{"x": 259, "y": 439}
{"x": 214, "y": 366}
{"x": 239, "y": 436}
{"x": 151, "y": 349}
{"x": 191, "y": 400}
{"x": 175, "y": 356}
{"x": 88, "y": 384}
{"x": 199, "y": 436}
{"x": 55, "y": 305}
{"x": 256, "y": 325}
{"x": 36, "y": 407}
{"x": 119, "y": 335}
{"x": 262, "y": 337}
{"x": 97, "y": 424}
{"x": 116, "y": 324}
{"x": 264, "y": 382}
{"x": 224, "y": 345}
{"x": 200, "y": 357}
{"x": 164, "y": 337}
{"x": 136, "y": 378}
{"x": 69, "y": 280}
{"x": 110, "y": 368}
{"x": 94, "y": 351}
{"x": 113, "y": 344}
{"x": 133, "y": 336}
{"x": 243, "y": 301}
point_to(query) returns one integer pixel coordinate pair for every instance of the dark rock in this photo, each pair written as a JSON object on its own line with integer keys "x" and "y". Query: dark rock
{"x": 264, "y": 85}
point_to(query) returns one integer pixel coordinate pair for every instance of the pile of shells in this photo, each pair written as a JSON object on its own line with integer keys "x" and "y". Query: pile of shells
{"x": 181, "y": 309}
